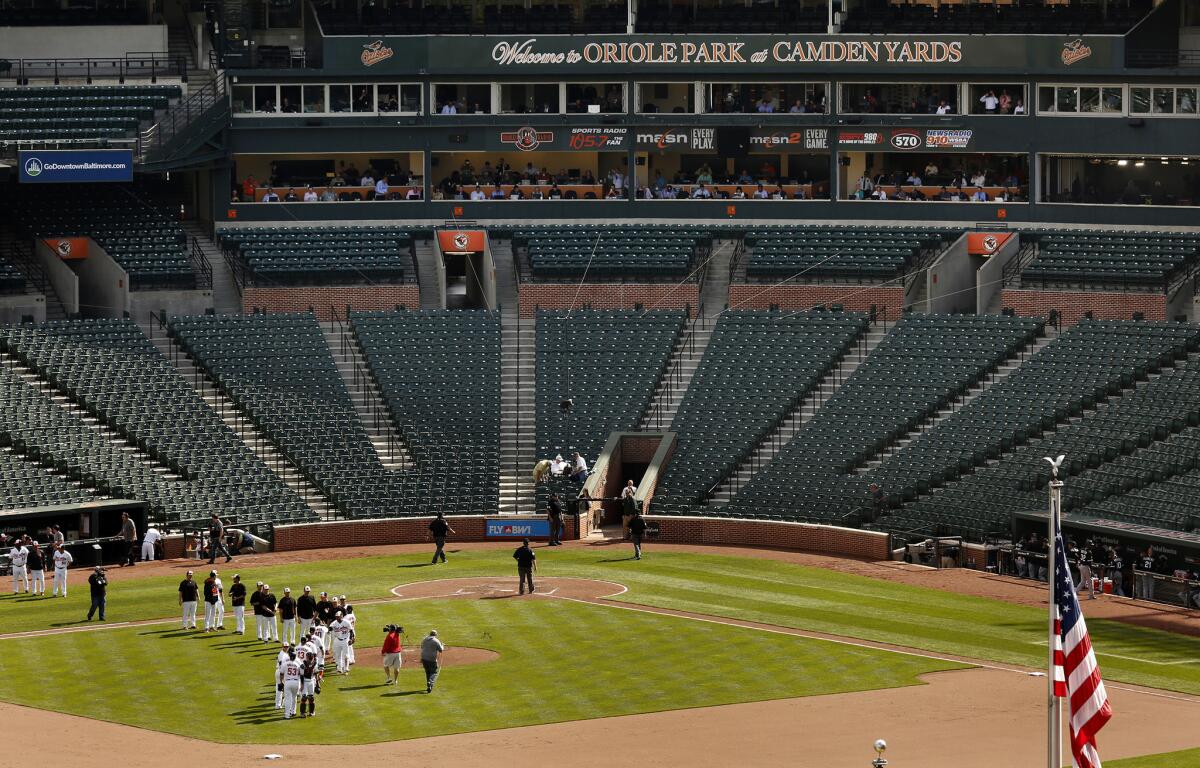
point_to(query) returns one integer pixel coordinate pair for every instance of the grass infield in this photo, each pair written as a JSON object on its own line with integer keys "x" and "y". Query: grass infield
{"x": 558, "y": 660}
{"x": 1188, "y": 758}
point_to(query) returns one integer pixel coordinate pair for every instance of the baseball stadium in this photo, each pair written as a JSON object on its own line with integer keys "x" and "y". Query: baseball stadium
{"x": 597, "y": 382}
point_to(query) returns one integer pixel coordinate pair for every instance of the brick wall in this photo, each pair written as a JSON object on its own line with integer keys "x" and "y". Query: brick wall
{"x": 607, "y": 296}
{"x": 1072, "y": 304}
{"x": 872, "y": 545}
{"x": 804, "y": 296}
{"x": 639, "y": 450}
{"x": 367, "y": 533}
{"x": 322, "y": 297}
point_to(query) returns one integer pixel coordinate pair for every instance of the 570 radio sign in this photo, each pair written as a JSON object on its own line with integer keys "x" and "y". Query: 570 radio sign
{"x": 597, "y": 138}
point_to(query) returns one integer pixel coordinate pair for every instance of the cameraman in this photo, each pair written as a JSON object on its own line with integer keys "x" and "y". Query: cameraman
{"x": 99, "y": 586}
{"x": 393, "y": 654}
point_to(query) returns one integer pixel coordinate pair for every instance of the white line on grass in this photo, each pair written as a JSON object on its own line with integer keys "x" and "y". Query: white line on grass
{"x": 1138, "y": 659}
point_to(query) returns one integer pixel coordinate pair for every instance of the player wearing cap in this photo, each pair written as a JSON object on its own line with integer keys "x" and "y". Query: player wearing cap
{"x": 212, "y": 593}
{"x": 287, "y": 613}
{"x": 256, "y": 606}
{"x": 237, "y": 596}
{"x": 393, "y": 654}
{"x": 268, "y": 603}
{"x": 431, "y": 649}
{"x": 188, "y": 592}
{"x": 349, "y": 617}
{"x": 291, "y": 673}
{"x": 18, "y": 557}
{"x": 325, "y": 611}
{"x": 310, "y": 670}
{"x": 37, "y": 568}
{"x": 280, "y": 658}
{"x": 343, "y": 637}
{"x": 320, "y": 637}
{"x": 62, "y": 560}
{"x": 306, "y": 610}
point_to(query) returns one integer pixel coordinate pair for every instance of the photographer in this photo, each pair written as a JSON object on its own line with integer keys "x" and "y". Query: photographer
{"x": 393, "y": 653}
{"x": 98, "y": 582}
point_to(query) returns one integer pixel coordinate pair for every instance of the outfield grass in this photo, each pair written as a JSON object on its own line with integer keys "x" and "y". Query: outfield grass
{"x": 559, "y": 661}
{"x": 746, "y": 588}
{"x": 1189, "y": 758}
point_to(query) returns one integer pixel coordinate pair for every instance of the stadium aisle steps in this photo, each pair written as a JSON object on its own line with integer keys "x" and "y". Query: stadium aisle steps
{"x": 518, "y": 378}
{"x": 685, "y": 359}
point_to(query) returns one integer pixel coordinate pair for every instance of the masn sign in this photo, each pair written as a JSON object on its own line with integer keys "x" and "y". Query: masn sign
{"x": 63, "y": 166}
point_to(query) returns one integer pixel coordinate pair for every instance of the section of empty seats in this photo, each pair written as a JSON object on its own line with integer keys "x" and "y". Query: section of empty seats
{"x": 12, "y": 280}
{"x": 758, "y": 366}
{"x": 26, "y": 481}
{"x": 922, "y": 365}
{"x": 1144, "y": 436}
{"x": 145, "y": 239}
{"x": 841, "y": 253}
{"x": 1084, "y": 366}
{"x": 108, "y": 368}
{"x": 621, "y": 254}
{"x": 69, "y": 113}
{"x": 279, "y": 371}
{"x": 438, "y": 372}
{"x": 1046, "y": 17}
{"x": 322, "y": 255}
{"x": 1137, "y": 260}
{"x": 608, "y": 364}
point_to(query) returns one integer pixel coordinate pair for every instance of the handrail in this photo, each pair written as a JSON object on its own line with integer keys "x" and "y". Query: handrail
{"x": 1162, "y": 57}
{"x": 202, "y": 266}
{"x": 134, "y": 65}
{"x": 180, "y": 116}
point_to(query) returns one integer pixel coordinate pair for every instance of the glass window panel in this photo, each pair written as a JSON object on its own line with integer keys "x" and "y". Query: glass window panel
{"x": 314, "y": 98}
{"x": 1139, "y": 101}
{"x": 389, "y": 98}
{"x": 1164, "y": 101}
{"x": 364, "y": 98}
{"x": 1046, "y": 98}
{"x": 410, "y": 97}
{"x": 676, "y": 98}
{"x": 1185, "y": 101}
{"x": 243, "y": 98}
{"x": 289, "y": 99}
{"x": 1089, "y": 99}
{"x": 339, "y": 98}
{"x": 265, "y": 98}
{"x": 608, "y": 97}
{"x": 1068, "y": 99}
{"x": 1113, "y": 100}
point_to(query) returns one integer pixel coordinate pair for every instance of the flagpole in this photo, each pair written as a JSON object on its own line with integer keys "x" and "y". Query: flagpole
{"x": 1054, "y": 710}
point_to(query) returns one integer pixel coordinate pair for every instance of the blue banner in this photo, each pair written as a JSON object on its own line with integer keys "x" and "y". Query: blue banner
{"x": 520, "y": 528}
{"x": 59, "y": 166}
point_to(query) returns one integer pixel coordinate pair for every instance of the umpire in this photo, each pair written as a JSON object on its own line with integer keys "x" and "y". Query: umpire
{"x": 439, "y": 528}
{"x": 526, "y": 565}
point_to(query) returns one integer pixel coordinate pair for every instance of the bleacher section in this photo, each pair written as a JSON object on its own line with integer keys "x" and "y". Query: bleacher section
{"x": 110, "y": 370}
{"x": 439, "y": 374}
{"x": 624, "y": 253}
{"x": 279, "y": 371}
{"x": 922, "y": 365}
{"x": 838, "y": 253}
{"x": 79, "y": 113}
{"x": 609, "y": 363}
{"x": 25, "y": 482}
{"x": 1020, "y": 18}
{"x": 146, "y": 240}
{"x": 1085, "y": 366}
{"x": 344, "y": 255}
{"x": 758, "y": 366}
{"x": 1083, "y": 259}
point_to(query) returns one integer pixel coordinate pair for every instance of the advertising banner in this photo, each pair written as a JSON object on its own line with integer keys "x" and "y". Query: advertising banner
{"x": 460, "y": 240}
{"x": 68, "y": 248}
{"x": 908, "y": 139}
{"x": 520, "y": 528}
{"x": 599, "y": 138}
{"x": 63, "y": 166}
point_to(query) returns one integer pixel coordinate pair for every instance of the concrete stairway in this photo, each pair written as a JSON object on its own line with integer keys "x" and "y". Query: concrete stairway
{"x": 685, "y": 359}
{"x": 225, "y": 295}
{"x": 774, "y": 442}
{"x": 715, "y": 293}
{"x": 427, "y": 274}
{"x": 1002, "y": 372}
{"x": 518, "y": 340}
{"x": 242, "y": 426}
{"x": 368, "y": 401}
{"x": 17, "y": 251}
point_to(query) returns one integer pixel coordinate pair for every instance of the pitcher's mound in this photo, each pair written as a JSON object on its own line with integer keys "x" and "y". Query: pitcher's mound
{"x": 453, "y": 656}
{"x": 499, "y": 587}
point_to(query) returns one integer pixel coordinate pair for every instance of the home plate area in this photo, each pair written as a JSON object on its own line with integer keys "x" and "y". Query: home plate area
{"x": 499, "y": 587}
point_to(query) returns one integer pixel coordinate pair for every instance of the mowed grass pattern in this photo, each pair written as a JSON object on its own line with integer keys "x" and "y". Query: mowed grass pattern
{"x": 746, "y": 588}
{"x": 1189, "y": 758}
{"x": 559, "y": 661}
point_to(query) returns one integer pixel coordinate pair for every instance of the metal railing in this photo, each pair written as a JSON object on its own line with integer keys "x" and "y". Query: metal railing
{"x": 1162, "y": 57}
{"x": 200, "y": 263}
{"x": 132, "y": 66}
{"x": 178, "y": 118}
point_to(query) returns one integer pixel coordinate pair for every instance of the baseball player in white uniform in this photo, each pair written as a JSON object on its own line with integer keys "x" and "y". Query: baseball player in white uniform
{"x": 343, "y": 636}
{"x": 220, "y": 607}
{"x": 19, "y": 555}
{"x": 62, "y": 560}
{"x": 320, "y": 633}
{"x": 280, "y": 658}
{"x": 150, "y": 538}
{"x": 352, "y": 620}
{"x": 289, "y": 679}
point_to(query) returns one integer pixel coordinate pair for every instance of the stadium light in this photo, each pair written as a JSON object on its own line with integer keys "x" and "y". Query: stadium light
{"x": 1140, "y": 163}
{"x": 1122, "y": 163}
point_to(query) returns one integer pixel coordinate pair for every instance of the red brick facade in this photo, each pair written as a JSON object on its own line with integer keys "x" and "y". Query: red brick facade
{"x": 1072, "y": 304}
{"x": 871, "y": 545}
{"x": 607, "y": 296}
{"x": 322, "y": 297}
{"x": 804, "y": 296}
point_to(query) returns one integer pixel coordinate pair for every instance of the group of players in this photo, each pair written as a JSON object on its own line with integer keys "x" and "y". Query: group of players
{"x": 28, "y": 559}
{"x": 309, "y": 628}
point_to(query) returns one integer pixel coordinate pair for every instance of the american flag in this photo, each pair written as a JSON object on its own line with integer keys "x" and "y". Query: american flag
{"x": 1076, "y": 675}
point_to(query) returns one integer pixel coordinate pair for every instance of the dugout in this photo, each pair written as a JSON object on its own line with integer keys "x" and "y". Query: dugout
{"x": 1180, "y": 548}
{"x": 83, "y": 525}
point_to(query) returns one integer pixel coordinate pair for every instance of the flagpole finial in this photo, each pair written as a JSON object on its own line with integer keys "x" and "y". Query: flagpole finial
{"x": 1055, "y": 463}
